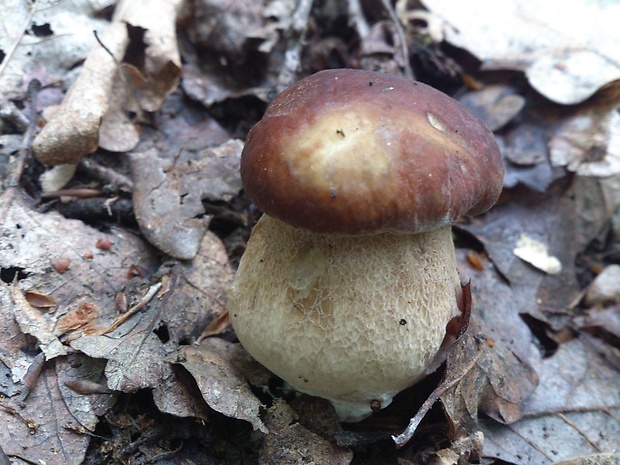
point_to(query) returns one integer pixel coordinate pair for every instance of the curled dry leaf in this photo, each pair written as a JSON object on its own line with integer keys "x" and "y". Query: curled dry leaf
{"x": 80, "y": 125}
{"x": 221, "y": 383}
{"x": 41, "y": 301}
{"x": 32, "y": 321}
{"x": 73, "y": 131}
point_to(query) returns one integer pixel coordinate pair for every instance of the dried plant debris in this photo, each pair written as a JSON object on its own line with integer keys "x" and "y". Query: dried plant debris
{"x": 567, "y": 66}
{"x": 588, "y": 142}
{"x": 549, "y": 219}
{"x": 221, "y": 383}
{"x": 82, "y": 123}
{"x": 497, "y": 352}
{"x": 290, "y": 442}
{"x": 48, "y": 35}
{"x": 574, "y": 411}
{"x": 169, "y": 189}
{"x": 90, "y": 316}
{"x": 197, "y": 294}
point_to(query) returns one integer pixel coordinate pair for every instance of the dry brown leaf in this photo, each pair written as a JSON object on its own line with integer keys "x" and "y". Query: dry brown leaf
{"x": 73, "y": 131}
{"x": 169, "y": 189}
{"x": 34, "y": 322}
{"x": 75, "y": 128}
{"x": 39, "y": 300}
{"x": 28, "y": 242}
{"x": 574, "y": 411}
{"x": 220, "y": 382}
{"x": 495, "y": 354}
{"x": 177, "y": 395}
{"x": 136, "y": 356}
{"x": 198, "y": 290}
{"x": 69, "y": 39}
{"x": 36, "y": 414}
{"x": 549, "y": 218}
{"x": 35, "y": 429}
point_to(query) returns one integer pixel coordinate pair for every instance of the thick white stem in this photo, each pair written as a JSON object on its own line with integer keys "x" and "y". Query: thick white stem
{"x": 352, "y": 319}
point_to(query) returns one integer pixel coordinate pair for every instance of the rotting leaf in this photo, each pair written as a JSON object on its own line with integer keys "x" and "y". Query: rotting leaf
{"x": 28, "y": 422}
{"x": 135, "y": 355}
{"x": 550, "y": 218}
{"x": 84, "y": 407}
{"x": 29, "y": 240}
{"x": 220, "y": 382}
{"x": 198, "y": 291}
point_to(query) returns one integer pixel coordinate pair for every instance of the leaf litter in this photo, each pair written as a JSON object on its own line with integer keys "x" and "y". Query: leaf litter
{"x": 95, "y": 316}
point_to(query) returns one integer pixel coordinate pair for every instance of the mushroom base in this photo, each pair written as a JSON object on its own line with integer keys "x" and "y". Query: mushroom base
{"x": 353, "y": 319}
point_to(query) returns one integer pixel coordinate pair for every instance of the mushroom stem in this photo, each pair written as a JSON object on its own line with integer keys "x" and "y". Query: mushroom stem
{"x": 353, "y": 319}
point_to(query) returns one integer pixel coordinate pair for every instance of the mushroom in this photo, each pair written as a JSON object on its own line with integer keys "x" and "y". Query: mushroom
{"x": 349, "y": 278}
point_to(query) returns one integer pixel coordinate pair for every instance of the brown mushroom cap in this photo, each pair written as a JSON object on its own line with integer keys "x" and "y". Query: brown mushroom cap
{"x": 358, "y": 152}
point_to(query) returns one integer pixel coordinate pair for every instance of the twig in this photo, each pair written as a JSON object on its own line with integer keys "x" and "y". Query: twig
{"x": 446, "y": 384}
{"x": 133, "y": 310}
{"x": 24, "y": 149}
{"x": 404, "y": 51}
{"x": 107, "y": 175}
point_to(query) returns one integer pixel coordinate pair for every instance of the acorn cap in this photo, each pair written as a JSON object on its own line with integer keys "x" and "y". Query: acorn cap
{"x": 359, "y": 152}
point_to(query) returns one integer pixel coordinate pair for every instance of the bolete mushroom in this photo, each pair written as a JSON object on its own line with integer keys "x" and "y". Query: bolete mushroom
{"x": 349, "y": 279}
